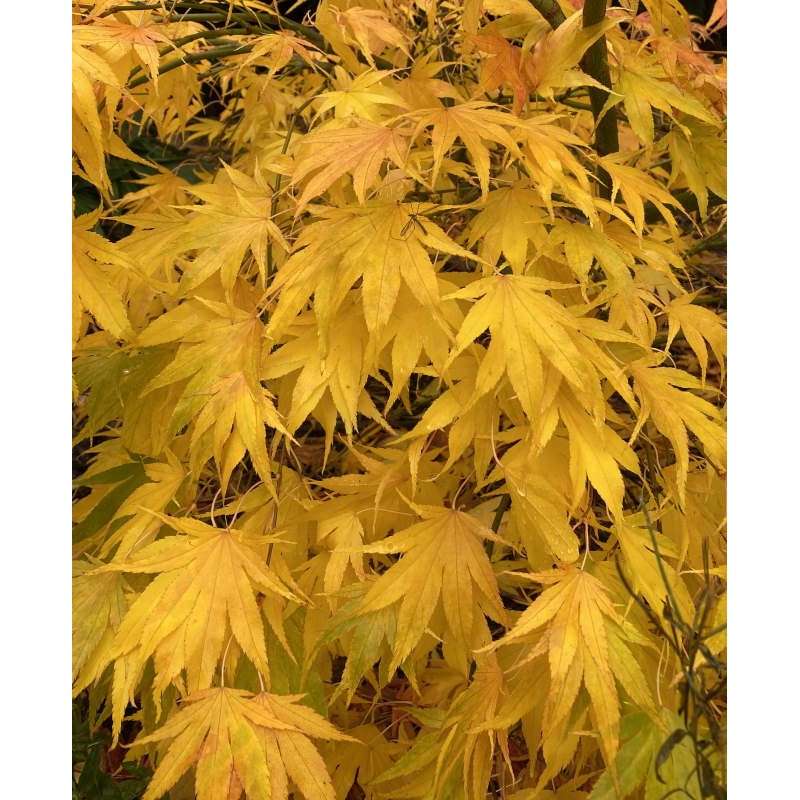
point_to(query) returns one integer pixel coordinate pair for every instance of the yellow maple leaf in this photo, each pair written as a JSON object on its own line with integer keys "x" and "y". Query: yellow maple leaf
{"x": 443, "y": 562}
{"x": 339, "y": 369}
{"x": 371, "y": 31}
{"x": 643, "y": 569}
{"x": 553, "y": 62}
{"x": 239, "y": 742}
{"x": 575, "y": 624}
{"x": 644, "y": 87}
{"x": 638, "y": 187}
{"x": 331, "y": 151}
{"x": 699, "y": 326}
{"x": 510, "y": 219}
{"x": 362, "y": 96}
{"x": 385, "y": 245}
{"x": 131, "y": 32}
{"x": 217, "y": 368}
{"x": 90, "y": 72}
{"x": 234, "y": 218}
{"x": 98, "y": 606}
{"x": 207, "y": 582}
{"x": 472, "y": 122}
{"x": 99, "y": 270}
{"x": 529, "y": 330}
{"x": 699, "y": 153}
{"x": 456, "y": 758}
{"x": 661, "y": 392}
{"x": 139, "y": 529}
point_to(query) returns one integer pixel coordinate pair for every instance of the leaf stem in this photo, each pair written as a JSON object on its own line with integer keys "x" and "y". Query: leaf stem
{"x": 279, "y": 180}
{"x": 502, "y": 507}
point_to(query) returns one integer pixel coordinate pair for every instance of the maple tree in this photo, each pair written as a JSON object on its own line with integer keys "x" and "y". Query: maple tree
{"x": 400, "y": 394}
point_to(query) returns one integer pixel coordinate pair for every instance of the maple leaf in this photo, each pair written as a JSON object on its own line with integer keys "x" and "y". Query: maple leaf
{"x": 553, "y": 62}
{"x": 505, "y": 65}
{"x": 696, "y": 527}
{"x": 207, "y": 581}
{"x": 217, "y": 364}
{"x": 275, "y": 51}
{"x": 643, "y": 736}
{"x": 233, "y": 219}
{"x": 637, "y": 187}
{"x": 98, "y": 606}
{"x": 510, "y": 219}
{"x": 361, "y": 96}
{"x": 529, "y": 329}
{"x": 643, "y": 568}
{"x": 443, "y": 559}
{"x": 420, "y": 89}
{"x": 538, "y": 510}
{"x": 699, "y": 153}
{"x": 698, "y": 325}
{"x": 472, "y": 122}
{"x": 130, "y": 33}
{"x": 462, "y": 738}
{"x": 585, "y": 643}
{"x": 99, "y": 269}
{"x": 371, "y": 31}
{"x": 365, "y": 759}
{"x": 138, "y": 529}
{"x": 411, "y": 335}
{"x": 339, "y": 369}
{"x": 596, "y": 452}
{"x": 547, "y": 158}
{"x": 385, "y": 245}
{"x": 661, "y": 393}
{"x": 370, "y": 638}
{"x": 344, "y": 533}
{"x": 643, "y": 89}
{"x": 585, "y": 246}
{"x": 89, "y": 139}
{"x": 332, "y": 151}
{"x": 469, "y": 415}
{"x": 243, "y": 743}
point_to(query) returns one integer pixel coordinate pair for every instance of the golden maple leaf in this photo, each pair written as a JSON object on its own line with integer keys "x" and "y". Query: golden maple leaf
{"x": 207, "y": 584}
{"x": 239, "y": 742}
{"x": 574, "y": 623}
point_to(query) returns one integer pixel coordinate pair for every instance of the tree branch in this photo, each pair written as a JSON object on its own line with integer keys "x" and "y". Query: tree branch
{"x": 550, "y": 10}
{"x": 595, "y": 64}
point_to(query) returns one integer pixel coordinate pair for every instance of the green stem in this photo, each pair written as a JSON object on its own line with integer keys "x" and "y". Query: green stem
{"x": 179, "y": 43}
{"x": 193, "y": 58}
{"x": 595, "y": 64}
{"x": 279, "y": 179}
{"x": 198, "y": 12}
{"x": 550, "y": 10}
{"x": 502, "y": 507}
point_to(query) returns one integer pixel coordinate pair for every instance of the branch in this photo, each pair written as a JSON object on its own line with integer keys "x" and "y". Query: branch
{"x": 595, "y": 64}
{"x": 550, "y": 10}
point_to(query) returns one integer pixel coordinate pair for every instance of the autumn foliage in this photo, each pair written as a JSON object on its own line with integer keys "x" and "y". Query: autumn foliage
{"x": 400, "y": 393}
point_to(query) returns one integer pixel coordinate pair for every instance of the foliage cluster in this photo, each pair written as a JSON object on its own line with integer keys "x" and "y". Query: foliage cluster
{"x": 400, "y": 400}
